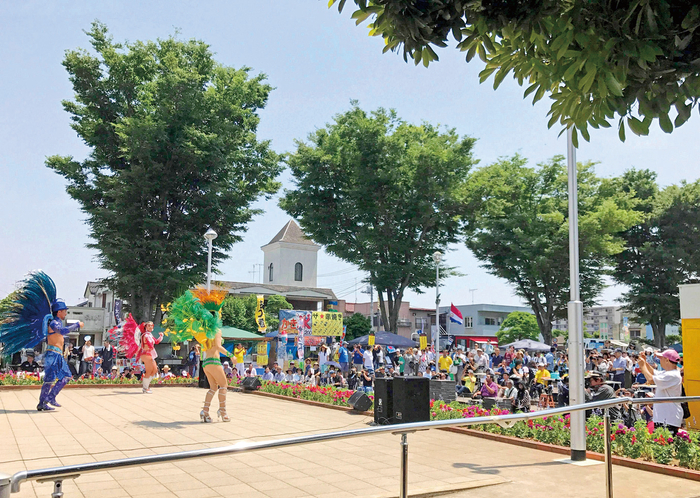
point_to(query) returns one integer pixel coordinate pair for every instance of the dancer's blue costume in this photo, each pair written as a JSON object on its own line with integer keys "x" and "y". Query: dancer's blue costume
{"x": 30, "y": 320}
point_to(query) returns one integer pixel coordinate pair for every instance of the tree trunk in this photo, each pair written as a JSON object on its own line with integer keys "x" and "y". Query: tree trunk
{"x": 658, "y": 329}
{"x": 382, "y": 308}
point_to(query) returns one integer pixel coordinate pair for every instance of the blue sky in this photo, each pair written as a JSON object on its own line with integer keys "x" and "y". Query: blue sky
{"x": 318, "y": 61}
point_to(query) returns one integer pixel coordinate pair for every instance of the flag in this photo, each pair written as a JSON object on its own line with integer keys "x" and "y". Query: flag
{"x": 456, "y": 315}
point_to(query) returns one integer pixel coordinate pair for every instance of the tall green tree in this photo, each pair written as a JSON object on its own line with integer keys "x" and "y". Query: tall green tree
{"x": 382, "y": 194}
{"x": 239, "y": 312}
{"x": 516, "y": 223}
{"x": 596, "y": 59}
{"x": 356, "y": 325}
{"x": 173, "y": 151}
{"x": 518, "y": 325}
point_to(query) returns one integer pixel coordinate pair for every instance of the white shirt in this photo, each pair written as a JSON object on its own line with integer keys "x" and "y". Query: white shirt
{"x": 88, "y": 352}
{"x": 668, "y": 385}
{"x": 322, "y": 358}
{"x": 367, "y": 359}
{"x": 482, "y": 361}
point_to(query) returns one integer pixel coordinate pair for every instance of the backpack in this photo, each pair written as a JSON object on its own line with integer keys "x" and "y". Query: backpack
{"x": 684, "y": 405}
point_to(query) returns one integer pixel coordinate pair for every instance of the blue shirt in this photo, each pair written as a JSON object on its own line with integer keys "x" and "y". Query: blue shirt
{"x": 357, "y": 356}
{"x": 619, "y": 363}
{"x": 342, "y": 355}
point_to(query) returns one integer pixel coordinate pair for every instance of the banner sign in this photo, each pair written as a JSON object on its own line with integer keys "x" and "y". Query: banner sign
{"x": 326, "y": 323}
{"x": 118, "y": 310}
{"x": 422, "y": 341}
{"x": 370, "y": 339}
{"x": 260, "y": 314}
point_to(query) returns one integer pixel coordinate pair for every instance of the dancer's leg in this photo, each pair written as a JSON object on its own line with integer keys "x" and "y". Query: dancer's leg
{"x": 44, "y": 397}
{"x": 216, "y": 374}
{"x": 57, "y": 389}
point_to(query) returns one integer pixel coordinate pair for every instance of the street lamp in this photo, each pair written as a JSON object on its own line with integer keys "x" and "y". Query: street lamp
{"x": 437, "y": 257}
{"x": 210, "y": 236}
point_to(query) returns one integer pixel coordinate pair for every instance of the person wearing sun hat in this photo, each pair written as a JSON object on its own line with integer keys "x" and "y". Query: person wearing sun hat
{"x": 668, "y": 383}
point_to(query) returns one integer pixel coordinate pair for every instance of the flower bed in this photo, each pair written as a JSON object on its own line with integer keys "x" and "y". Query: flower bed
{"x": 634, "y": 442}
{"x": 29, "y": 379}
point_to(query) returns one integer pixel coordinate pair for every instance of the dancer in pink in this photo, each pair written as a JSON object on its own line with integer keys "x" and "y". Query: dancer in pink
{"x": 138, "y": 341}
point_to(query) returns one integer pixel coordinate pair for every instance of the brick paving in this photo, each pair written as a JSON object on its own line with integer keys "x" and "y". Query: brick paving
{"x": 103, "y": 424}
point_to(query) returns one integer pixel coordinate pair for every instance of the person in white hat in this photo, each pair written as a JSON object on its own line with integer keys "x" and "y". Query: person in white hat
{"x": 669, "y": 384}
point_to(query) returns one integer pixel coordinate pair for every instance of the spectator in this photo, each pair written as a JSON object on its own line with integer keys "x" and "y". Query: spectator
{"x": 563, "y": 391}
{"x": 279, "y": 375}
{"x": 468, "y": 383}
{"x": 251, "y": 371}
{"x": 29, "y": 365}
{"x": 459, "y": 360}
{"x": 482, "y": 361}
{"x": 323, "y": 359}
{"x": 619, "y": 365}
{"x": 368, "y": 360}
{"x": 268, "y": 376}
{"x": 489, "y": 389}
{"x": 357, "y": 357}
{"x": 510, "y": 391}
{"x": 509, "y": 355}
{"x": 497, "y": 358}
{"x": 445, "y": 362}
{"x": 107, "y": 357}
{"x": 228, "y": 371}
{"x": 549, "y": 358}
{"x": 343, "y": 359}
{"x": 88, "y": 351}
{"x": 126, "y": 373}
{"x": 167, "y": 374}
{"x": 599, "y": 391}
{"x": 521, "y": 401}
{"x": 411, "y": 360}
{"x": 542, "y": 377}
{"x": 380, "y": 372}
{"x": 401, "y": 363}
{"x": 239, "y": 355}
{"x": 337, "y": 379}
{"x": 669, "y": 384}
{"x": 193, "y": 361}
{"x": 353, "y": 379}
{"x": 366, "y": 379}
{"x": 114, "y": 373}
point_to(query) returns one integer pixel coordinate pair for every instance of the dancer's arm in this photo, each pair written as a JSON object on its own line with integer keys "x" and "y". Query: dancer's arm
{"x": 57, "y": 327}
{"x": 160, "y": 338}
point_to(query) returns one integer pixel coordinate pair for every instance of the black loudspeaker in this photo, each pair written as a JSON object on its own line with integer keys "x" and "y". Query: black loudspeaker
{"x": 359, "y": 401}
{"x": 411, "y": 399}
{"x": 251, "y": 383}
{"x": 203, "y": 381}
{"x": 384, "y": 400}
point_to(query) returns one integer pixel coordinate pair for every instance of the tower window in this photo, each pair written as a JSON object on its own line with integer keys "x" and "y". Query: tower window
{"x": 298, "y": 272}
{"x": 269, "y": 276}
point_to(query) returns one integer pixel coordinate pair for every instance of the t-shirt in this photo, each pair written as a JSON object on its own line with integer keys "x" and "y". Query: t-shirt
{"x": 88, "y": 352}
{"x": 322, "y": 357}
{"x": 668, "y": 385}
{"x": 485, "y": 390}
{"x": 445, "y": 362}
{"x": 239, "y": 354}
{"x": 367, "y": 360}
{"x": 342, "y": 355}
{"x": 357, "y": 356}
{"x": 541, "y": 374}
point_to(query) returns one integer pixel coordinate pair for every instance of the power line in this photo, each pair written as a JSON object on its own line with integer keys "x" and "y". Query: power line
{"x": 337, "y": 273}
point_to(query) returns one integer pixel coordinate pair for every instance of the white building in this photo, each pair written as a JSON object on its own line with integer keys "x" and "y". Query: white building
{"x": 291, "y": 258}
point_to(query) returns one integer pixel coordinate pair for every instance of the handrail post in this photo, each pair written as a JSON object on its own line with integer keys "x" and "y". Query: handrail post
{"x": 608, "y": 455}
{"x": 403, "y": 489}
{"x": 5, "y": 483}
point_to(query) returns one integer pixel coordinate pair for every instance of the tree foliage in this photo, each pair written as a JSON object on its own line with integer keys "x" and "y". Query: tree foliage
{"x": 596, "y": 59}
{"x": 382, "y": 194}
{"x": 516, "y": 223}
{"x": 660, "y": 250}
{"x": 357, "y": 325}
{"x": 239, "y": 311}
{"x": 518, "y": 325}
{"x": 173, "y": 151}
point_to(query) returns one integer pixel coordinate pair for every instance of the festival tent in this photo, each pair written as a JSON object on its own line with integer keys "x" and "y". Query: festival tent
{"x": 528, "y": 345}
{"x": 236, "y": 334}
{"x": 386, "y": 339}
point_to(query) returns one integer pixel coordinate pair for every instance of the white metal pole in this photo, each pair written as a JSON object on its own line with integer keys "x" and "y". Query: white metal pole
{"x": 575, "y": 314}
{"x": 371, "y": 307}
{"x": 437, "y": 311}
{"x": 209, "y": 266}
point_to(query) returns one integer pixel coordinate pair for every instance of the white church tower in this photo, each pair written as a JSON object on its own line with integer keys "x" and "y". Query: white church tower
{"x": 291, "y": 258}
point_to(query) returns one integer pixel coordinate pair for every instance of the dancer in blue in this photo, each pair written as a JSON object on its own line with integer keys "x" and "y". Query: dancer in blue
{"x": 36, "y": 315}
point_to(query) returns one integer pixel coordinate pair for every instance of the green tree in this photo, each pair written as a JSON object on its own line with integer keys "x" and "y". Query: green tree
{"x": 516, "y": 223}
{"x": 239, "y": 311}
{"x": 651, "y": 265}
{"x": 672, "y": 339}
{"x": 518, "y": 325}
{"x": 357, "y": 325}
{"x": 173, "y": 151}
{"x": 382, "y": 194}
{"x": 595, "y": 58}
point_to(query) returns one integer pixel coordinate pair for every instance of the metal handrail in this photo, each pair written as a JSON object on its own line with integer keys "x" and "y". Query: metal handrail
{"x": 57, "y": 474}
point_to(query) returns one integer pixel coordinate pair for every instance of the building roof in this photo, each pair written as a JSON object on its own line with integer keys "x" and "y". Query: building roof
{"x": 92, "y": 287}
{"x": 293, "y": 234}
{"x": 292, "y": 291}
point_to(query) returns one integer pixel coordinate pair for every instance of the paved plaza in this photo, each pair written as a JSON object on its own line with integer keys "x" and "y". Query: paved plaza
{"x": 103, "y": 424}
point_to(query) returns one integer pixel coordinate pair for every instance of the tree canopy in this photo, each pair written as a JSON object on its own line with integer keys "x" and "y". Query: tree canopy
{"x": 357, "y": 325}
{"x": 518, "y": 325}
{"x": 516, "y": 223}
{"x": 382, "y": 194}
{"x": 239, "y": 311}
{"x": 637, "y": 60}
{"x": 173, "y": 151}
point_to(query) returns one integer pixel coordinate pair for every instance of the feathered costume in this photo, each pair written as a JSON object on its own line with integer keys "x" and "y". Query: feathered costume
{"x": 135, "y": 341}
{"x": 197, "y": 315}
{"x": 30, "y": 320}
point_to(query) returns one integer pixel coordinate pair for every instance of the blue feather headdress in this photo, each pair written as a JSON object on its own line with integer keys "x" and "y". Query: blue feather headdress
{"x": 25, "y": 324}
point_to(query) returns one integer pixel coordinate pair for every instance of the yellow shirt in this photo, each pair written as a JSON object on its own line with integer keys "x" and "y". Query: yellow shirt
{"x": 444, "y": 363}
{"x": 542, "y": 374}
{"x": 239, "y": 353}
{"x": 469, "y": 383}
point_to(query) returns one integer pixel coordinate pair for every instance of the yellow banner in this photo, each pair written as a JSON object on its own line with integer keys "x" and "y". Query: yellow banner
{"x": 327, "y": 323}
{"x": 423, "y": 341}
{"x": 260, "y": 314}
{"x": 370, "y": 339}
{"x": 262, "y": 360}
{"x": 262, "y": 348}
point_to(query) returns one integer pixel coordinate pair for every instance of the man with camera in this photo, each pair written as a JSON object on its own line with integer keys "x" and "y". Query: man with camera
{"x": 668, "y": 384}
{"x": 598, "y": 390}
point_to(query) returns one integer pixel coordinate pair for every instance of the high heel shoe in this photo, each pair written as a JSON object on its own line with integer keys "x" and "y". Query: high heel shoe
{"x": 224, "y": 417}
{"x": 204, "y": 416}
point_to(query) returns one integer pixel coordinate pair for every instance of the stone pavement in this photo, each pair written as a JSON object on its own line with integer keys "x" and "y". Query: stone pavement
{"x": 103, "y": 424}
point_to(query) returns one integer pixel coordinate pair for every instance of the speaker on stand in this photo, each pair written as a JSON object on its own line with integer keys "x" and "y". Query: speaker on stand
{"x": 411, "y": 399}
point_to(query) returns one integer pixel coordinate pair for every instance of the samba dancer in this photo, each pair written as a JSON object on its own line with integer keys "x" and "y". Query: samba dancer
{"x": 35, "y": 315}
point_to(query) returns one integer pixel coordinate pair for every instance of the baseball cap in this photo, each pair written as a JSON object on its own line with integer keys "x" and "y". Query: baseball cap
{"x": 670, "y": 354}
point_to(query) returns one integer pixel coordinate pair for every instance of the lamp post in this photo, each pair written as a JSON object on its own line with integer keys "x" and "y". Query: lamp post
{"x": 210, "y": 236}
{"x": 437, "y": 257}
{"x": 575, "y": 313}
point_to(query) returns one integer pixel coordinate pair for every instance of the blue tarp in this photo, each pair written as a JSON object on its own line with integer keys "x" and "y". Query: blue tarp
{"x": 386, "y": 339}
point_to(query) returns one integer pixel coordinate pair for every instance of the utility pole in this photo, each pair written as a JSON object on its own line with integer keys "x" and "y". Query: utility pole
{"x": 472, "y": 291}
